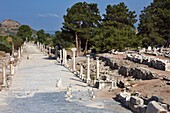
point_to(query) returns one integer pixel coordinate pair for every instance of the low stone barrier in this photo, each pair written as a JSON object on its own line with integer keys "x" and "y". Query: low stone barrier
{"x": 125, "y": 70}
{"x": 150, "y": 61}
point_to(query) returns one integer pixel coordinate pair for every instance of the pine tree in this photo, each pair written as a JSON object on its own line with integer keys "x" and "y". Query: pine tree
{"x": 154, "y": 24}
{"x": 117, "y": 31}
{"x": 81, "y": 19}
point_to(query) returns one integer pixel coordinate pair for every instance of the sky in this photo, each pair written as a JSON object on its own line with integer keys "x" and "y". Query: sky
{"x": 48, "y": 14}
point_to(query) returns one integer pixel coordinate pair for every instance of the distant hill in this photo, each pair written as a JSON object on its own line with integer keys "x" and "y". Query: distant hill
{"x": 9, "y": 27}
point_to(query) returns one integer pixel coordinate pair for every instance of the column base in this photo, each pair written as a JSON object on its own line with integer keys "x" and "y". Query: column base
{"x": 88, "y": 81}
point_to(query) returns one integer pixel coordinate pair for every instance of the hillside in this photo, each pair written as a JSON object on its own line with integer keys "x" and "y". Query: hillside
{"x": 9, "y": 27}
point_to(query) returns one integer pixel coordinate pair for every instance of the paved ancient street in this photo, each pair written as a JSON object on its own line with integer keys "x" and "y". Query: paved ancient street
{"x": 34, "y": 90}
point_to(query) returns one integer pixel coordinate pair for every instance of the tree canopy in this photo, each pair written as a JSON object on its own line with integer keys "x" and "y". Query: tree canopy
{"x": 117, "y": 30}
{"x": 25, "y": 32}
{"x": 43, "y": 37}
{"x": 81, "y": 19}
{"x": 154, "y": 24}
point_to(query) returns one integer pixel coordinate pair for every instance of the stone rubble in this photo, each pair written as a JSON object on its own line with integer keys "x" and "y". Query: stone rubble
{"x": 137, "y": 105}
{"x": 150, "y": 61}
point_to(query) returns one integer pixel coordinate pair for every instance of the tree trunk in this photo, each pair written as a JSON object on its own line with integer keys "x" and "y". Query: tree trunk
{"x": 77, "y": 45}
{"x": 85, "y": 50}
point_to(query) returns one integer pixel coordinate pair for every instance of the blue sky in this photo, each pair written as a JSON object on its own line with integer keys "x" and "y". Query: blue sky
{"x": 48, "y": 14}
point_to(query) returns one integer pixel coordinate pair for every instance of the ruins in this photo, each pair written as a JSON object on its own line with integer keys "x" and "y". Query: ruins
{"x": 113, "y": 71}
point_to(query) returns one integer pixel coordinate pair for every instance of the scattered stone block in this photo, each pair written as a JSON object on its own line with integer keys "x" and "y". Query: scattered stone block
{"x": 123, "y": 96}
{"x": 105, "y": 84}
{"x": 136, "y": 100}
{"x": 154, "y": 107}
{"x": 141, "y": 109}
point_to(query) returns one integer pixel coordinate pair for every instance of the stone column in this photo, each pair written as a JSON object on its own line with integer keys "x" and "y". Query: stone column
{"x": 13, "y": 49}
{"x": 81, "y": 71}
{"x": 40, "y": 46}
{"x": 74, "y": 62}
{"x": 60, "y": 56}
{"x": 97, "y": 68}
{"x": 63, "y": 56}
{"x": 56, "y": 52}
{"x": 19, "y": 53}
{"x": 49, "y": 51}
{"x": 37, "y": 44}
{"x": 43, "y": 48}
{"x": 11, "y": 69}
{"x": 88, "y": 69}
{"x": 21, "y": 49}
{"x": 4, "y": 74}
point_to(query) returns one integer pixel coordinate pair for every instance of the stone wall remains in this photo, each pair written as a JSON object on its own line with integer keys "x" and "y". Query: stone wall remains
{"x": 150, "y": 61}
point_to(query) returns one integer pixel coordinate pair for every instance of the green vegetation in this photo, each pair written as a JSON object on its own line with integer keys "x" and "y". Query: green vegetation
{"x": 25, "y": 32}
{"x": 154, "y": 26}
{"x": 81, "y": 20}
{"x": 117, "y": 29}
{"x": 5, "y": 45}
{"x": 44, "y": 38}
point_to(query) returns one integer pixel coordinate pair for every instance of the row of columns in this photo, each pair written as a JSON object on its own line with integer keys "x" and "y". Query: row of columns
{"x": 62, "y": 52}
{"x": 41, "y": 46}
{"x": 63, "y": 60}
{"x": 11, "y": 66}
{"x": 88, "y": 79}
